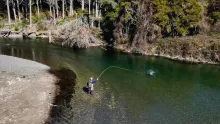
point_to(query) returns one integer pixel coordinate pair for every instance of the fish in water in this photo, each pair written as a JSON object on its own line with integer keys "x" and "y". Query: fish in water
{"x": 151, "y": 72}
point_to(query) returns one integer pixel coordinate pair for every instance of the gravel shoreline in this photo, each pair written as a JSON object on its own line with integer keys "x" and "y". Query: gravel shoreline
{"x": 27, "y": 91}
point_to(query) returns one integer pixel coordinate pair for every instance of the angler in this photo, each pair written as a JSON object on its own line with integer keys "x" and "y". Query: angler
{"x": 90, "y": 85}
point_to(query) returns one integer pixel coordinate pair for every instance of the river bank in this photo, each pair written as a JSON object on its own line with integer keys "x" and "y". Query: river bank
{"x": 23, "y": 34}
{"x": 195, "y": 49}
{"x": 27, "y": 91}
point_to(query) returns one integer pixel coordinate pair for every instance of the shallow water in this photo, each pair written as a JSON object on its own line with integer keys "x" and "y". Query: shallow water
{"x": 178, "y": 93}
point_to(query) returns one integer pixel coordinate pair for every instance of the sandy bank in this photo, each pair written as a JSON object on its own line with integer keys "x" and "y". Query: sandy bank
{"x": 27, "y": 90}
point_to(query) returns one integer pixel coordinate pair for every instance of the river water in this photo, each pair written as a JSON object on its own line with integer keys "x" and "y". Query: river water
{"x": 178, "y": 93}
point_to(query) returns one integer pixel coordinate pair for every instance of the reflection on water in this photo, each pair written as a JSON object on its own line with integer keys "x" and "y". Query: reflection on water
{"x": 178, "y": 93}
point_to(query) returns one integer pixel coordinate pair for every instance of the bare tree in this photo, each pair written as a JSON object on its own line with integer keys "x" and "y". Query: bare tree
{"x": 30, "y": 12}
{"x": 83, "y": 4}
{"x": 63, "y": 5}
{"x": 14, "y": 11}
{"x": 18, "y": 9}
{"x": 8, "y": 9}
{"x": 38, "y": 10}
{"x": 54, "y": 10}
{"x": 71, "y": 7}
{"x": 57, "y": 8}
{"x": 50, "y": 3}
{"x": 89, "y": 7}
{"x": 25, "y": 8}
{"x": 96, "y": 9}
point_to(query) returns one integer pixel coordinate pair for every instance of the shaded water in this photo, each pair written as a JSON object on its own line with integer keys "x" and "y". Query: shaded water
{"x": 179, "y": 93}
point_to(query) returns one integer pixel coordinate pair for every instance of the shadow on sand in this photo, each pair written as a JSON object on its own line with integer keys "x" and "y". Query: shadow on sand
{"x": 61, "y": 109}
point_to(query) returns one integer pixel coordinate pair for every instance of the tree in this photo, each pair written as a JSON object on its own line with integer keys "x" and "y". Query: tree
{"x": 9, "y": 16}
{"x": 50, "y": 3}
{"x": 71, "y": 8}
{"x": 57, "y": 8}
{"x": 177, "y": 17}
{"x": 214, "y": 11}
{"x": 18, "y": 8}
{"x": 38, "y": 10}
{"x": 25, "y": 8}
{"x": 30, "y": 12}
{"x": 14, "y": 11}
{"x": 83, "y": 4}
{"x": 63, "y": 5}
{"x": 89, "y": 7}
{"x": 96, "y": 8}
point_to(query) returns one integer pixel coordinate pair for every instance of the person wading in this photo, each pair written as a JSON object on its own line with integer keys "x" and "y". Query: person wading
{"x": 91, "y": 85}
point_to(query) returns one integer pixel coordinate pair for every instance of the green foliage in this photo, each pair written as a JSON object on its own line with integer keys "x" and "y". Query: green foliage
{"x": 113, "y": 14}
{"x": 16, "y": 27}
{"x": 67, "y": 19}
{"x": 81, "y": 12}
{"x": 24, "y": 23}
{"x": 177, "y": 17}
{"x": 214, "y": 11}
{"x": 215, "y": 17}
{"x": 38, "y": 19}
{"x": 1, "y": 26}
{"x": 108, "y": 3}
{"x": 97, "y": 32}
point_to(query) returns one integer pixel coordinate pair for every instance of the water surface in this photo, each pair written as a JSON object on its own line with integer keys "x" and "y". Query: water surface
{"x": 179, "y": 93}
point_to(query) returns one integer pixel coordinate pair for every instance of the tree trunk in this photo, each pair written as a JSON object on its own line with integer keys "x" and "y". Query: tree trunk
{"x": 25, "y": 8}
{"x": 50, "y": 10}
{"x": 96, "y": 8}
{"x": 71, "y": 7}
{"x": 89, "y": 7}
{"x": 38, "y": 11}
{"x": 19, "y": 16}
{"x": 63, "y": 9}
{"x": 92, "y": 23}
{"x": 83, "y": 2}
{"x": 76, "y": 20}
{"x": 41, "y": 8}
{"x": 14, "y": 11}
{"x": 93, "y": 10}
{"x": 54, "y": 15}
{"x": 57, "y": 11}
{"x": 99, "y": 19}
{"x": 30, "y": 13}
{"x": 9, "y": 16}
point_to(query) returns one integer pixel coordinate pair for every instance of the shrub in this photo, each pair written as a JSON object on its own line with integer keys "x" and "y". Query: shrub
{"x": 215, "y": 17}
{"x": 16, "y": 27}
{"x": 37, "y": 19}
{"x": 1, "y": 25}
{"x": 24, "y": 23}
{"x": 42, "y": 26}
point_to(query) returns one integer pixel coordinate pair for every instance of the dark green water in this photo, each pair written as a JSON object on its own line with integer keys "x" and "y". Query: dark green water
{"x": 179, "y": 93}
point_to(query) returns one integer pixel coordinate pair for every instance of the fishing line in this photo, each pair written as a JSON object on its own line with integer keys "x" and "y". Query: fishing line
{"x": 114, "y": 67}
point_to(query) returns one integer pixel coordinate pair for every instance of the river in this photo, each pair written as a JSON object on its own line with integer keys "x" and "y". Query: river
{"x": 178, "y": 93}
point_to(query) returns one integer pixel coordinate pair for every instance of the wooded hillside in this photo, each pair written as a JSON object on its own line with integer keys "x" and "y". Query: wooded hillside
{"x": 133, "y": 22}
